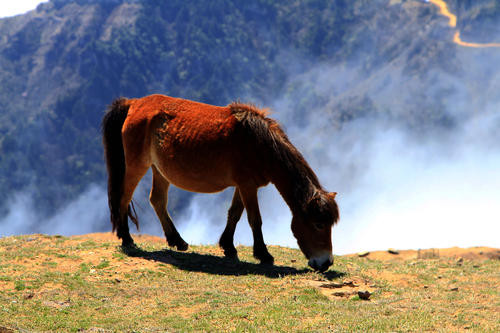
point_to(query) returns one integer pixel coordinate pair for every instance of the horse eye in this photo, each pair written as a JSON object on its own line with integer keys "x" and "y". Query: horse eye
{"x": 319, "y": 226}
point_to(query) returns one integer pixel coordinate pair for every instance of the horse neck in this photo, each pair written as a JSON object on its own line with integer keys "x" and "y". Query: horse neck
{"x": 295, "y": 181}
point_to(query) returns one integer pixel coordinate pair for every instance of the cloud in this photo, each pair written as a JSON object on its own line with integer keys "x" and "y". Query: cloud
{"x": 399, "y": 185}
{"x": 83, "y": 215}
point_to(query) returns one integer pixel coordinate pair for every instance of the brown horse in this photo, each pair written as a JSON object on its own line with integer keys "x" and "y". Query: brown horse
{"x": 205, "y": 148}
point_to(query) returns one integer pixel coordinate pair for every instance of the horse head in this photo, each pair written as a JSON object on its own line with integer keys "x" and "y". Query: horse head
{"x": 312, "y": 227}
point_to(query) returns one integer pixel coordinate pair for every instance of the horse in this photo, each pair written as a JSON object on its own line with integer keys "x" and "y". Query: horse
{"x": 205, "y": 148}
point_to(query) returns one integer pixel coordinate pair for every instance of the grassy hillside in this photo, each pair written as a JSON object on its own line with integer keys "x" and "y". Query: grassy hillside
{"x": 87, "y": 284}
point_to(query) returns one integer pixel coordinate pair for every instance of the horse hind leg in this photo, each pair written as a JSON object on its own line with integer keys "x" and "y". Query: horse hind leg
{"x": 226, "y": 241}
{"x": 130, "y": 182}
{"x": 158, "y": 199}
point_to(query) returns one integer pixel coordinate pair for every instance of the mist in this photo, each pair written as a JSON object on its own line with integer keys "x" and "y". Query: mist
{"x": 431, "y": 187}
{"x": 398, "y": 192}
{"x": 84, "y": 215}
{"x": 396, "y": 188}
{"x": 394, "y": 191}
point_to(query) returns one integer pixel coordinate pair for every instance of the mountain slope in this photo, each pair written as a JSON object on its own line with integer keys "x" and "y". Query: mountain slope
{"x": 61, "y": 64}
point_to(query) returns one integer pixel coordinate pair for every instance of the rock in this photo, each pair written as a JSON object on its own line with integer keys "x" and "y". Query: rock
{"x": 349, "y": 283}
{"x": 364, "y": 294}
{"x": 94, "y": 330}
{"x": 332, "y": 285}
{"x": 57, "y": 304}
{"x": 393, "y": 251}
{"x": 454, "y": 289}
{"x": 363, "y": 254}
{"x": 29, "y": 295}
{"x": 342, "y": 293}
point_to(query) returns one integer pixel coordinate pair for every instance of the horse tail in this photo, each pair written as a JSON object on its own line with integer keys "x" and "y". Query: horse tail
{"x": 114, "y": 153}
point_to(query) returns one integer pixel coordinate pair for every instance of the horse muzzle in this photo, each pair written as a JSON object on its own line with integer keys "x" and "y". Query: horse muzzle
{"x": 322, "y": 262}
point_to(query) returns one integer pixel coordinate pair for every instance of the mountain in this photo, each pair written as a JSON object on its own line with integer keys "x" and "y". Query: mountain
{"x": 63, "y": 63}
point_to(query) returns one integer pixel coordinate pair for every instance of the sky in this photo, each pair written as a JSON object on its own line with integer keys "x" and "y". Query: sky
{"x": 16, "y": 7}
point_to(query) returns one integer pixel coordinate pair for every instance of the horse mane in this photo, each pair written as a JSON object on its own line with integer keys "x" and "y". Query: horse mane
{"x": 269, "y": 134}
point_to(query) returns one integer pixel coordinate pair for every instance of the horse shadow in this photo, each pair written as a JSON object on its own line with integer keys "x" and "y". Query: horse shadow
{"x": 212, "y": 264}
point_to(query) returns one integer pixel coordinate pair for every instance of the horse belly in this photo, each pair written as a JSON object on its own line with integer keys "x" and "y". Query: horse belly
{"x": 204, "y": 166}
{"x": 195, "y": 174}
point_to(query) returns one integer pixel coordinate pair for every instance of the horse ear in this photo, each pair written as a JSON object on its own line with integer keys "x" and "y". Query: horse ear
{"x": 332, "y": 194}
{"x": 313, "y": 202}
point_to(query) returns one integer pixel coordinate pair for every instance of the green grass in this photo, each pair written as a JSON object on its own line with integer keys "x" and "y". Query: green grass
{"x": 88, "y": 284}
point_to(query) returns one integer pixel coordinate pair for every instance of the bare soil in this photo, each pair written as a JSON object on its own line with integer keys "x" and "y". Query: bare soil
{"x": 471, "y": 253}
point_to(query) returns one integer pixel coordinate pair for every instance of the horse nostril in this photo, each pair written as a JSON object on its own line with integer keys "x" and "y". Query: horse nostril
{"x": 323, "y": 265}
{"x": 326, "y": 265}
{"x": 320, "y": 267}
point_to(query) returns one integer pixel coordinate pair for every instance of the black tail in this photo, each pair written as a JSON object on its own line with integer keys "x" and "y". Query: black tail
{"x": 112, "y": 124}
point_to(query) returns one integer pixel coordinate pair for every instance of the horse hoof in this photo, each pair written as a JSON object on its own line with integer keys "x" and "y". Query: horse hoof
{"x": 129, "y": 244}
{"x": 177, "y": 242}
{"x": 182, "y": 246}
{"x": 131, "y": 249}
{"x": 267, "y": 262}
{"x": 266, "y": 259}
{"x": 231, "y": 255}
{"x": 233, "y": 258}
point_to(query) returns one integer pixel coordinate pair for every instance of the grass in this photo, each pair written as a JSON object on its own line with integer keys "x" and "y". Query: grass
{"x": 80, "y": 284}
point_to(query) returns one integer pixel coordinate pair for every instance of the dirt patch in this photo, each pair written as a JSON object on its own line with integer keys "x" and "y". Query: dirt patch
{"x": 395, "y": 279}
{"x": 111, "y": 237}
{"x": 82, "y": 252}
{"x": 348, "y": 288}
{"x": 472, "y": 253}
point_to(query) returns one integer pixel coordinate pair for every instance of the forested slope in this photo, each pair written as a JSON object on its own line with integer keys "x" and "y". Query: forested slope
{"x": 62, "y": 64}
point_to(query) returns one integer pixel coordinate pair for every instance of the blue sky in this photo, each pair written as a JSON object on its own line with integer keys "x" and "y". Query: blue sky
{"x": 16, "y": 7}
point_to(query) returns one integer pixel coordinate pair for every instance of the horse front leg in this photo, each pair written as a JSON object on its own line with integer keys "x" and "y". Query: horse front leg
{"x": 250, "y": 201}
{"x": 226, "y": 241}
